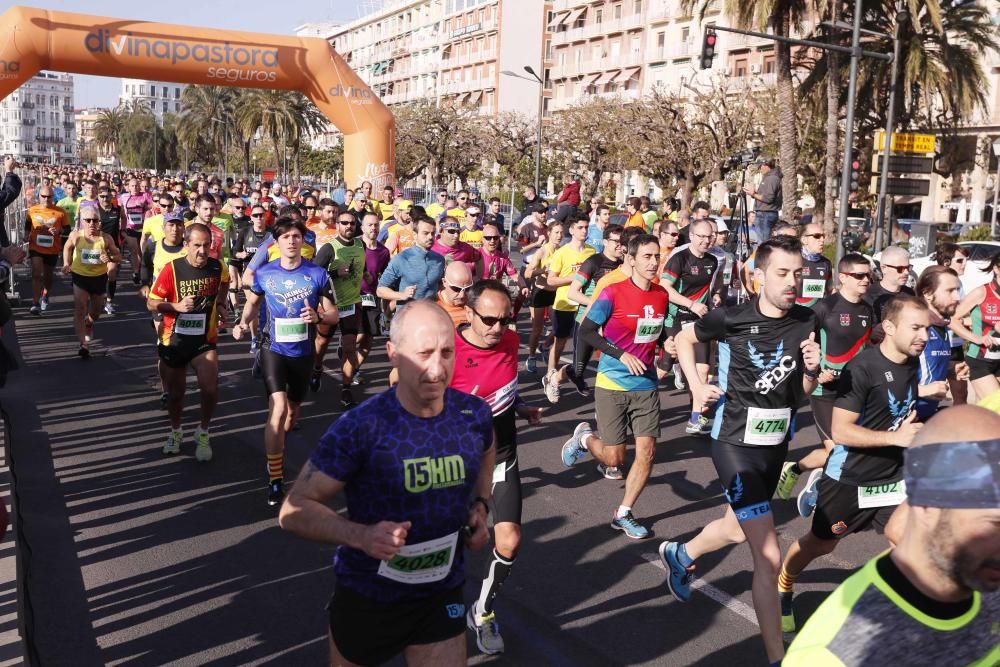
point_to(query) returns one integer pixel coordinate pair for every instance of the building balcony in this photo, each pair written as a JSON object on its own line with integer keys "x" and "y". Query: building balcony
{"x": 606, "y": 27}
{"x": 566, "y": 102}
{"x": 68, "y": 107}
{"x": 27, "y": 121}
{"x": 27, "y": 105}
{"x": 469, "y": 59}
{"x": 566, "y": 5}
{"x": 751, "y": 82}
{"x": 680, "y": 49}
{"x": 68, "y": 124}
{"x": 471, "y": 29}
{"x": 587, "y": 66}
{"x": 453, "y": 87}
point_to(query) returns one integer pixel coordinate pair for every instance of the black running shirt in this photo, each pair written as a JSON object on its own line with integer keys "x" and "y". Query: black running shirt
{"x": 760, "y": 371}
{"x": 882, "y": 393}
{"x": 692, "y": 277}
{"x": 817, "y": 275}
{"x": 844, "y": 329}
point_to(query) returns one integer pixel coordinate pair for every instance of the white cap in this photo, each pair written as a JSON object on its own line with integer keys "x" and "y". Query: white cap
{"x": 721, "y": 226}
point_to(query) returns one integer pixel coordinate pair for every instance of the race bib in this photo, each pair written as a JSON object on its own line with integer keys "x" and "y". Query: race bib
{"x": 44, "y": 241}
{"x": 190, "y": 324}
{"x": 882, "y": 495}
{"x": 347, "y": 311}
{"x": 687, "y": 325}
{"x": 813, "y": 289}
{"x": 90, "y": 256}
{"x": 135, "y": 219}
{"x": 648, "y": 329}
{"x": 251, "y": 250}
{"x": 766, "y": 428}
{"x": 727, "y": 276}
{"x": 290, "y": 330}
{"x": 499, "y": 473}
{"x": 991, "y": 353}
{"x": 368, "y": 301}
{"x": 422, "y": 563}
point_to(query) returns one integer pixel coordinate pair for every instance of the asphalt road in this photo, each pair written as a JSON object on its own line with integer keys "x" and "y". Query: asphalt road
{"x": 136, "y": 558}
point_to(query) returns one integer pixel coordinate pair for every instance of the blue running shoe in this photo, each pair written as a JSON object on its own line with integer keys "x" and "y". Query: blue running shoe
{"x": 531, "y": 364}
{"x": 678, "y": 577}
{"x": 573, "y": 451}
{"x": 628, "y": 525}
{"x": 809, "y": 495}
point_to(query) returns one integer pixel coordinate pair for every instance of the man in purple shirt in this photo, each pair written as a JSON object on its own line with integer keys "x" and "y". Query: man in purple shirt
{"x": 376, "y": 259}
{"x": 453, "y": 250}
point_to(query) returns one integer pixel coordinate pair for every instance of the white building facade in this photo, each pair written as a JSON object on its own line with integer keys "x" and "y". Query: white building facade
{"x": 159, "y": 97}
{"x": 37, "y": 120}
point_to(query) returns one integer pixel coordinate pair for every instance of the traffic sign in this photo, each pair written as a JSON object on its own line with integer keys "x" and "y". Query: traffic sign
{"x": 907, "y": 143}
{"x": 905, "y": 187}
{"x": 908, "y": 164}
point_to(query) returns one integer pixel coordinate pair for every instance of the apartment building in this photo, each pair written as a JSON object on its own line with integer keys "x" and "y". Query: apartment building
{"x": 159, "y": 97}
{"x": 87, "y": 148}
{"x": 447, "y": 51}
{"x": 36, "y": 120}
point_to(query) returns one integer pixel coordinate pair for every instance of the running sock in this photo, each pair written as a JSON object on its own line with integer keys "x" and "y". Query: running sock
{"x": 584, "y": 438}
{"x": 496, "y": 574}
{"x": 112, "y": 288}
{"x": 682, "y": 556}
{"x": 786, "y": 581}
{"x": 622, "y": 511}
{"x": 695, "y": 416}
{"x": 275, "y": 466}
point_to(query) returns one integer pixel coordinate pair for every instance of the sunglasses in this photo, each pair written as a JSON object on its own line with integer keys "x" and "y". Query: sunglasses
{"x": 89, "y": 220}
{"x": 310, "y": 208}
{"x": 456, "y": 289}
{"x": 104, "y": 195}
{"x": 858, "y": 276}
{"x": 491, "y": 238}
{"x": 462, "y": 199}
{"x": 256, "y": 215}
{"x": 345, "y": 222}
{"x": 449, "y": 231}
{"x": 814, "y": 236}
{"x": 900, "y": 269}
{"x": 239, "y": 208}
{"x": 45, "y": 196}
{"x": 958, "y": 260}
{"x": 671, "y": 233}
{"x": 492, "y": 321}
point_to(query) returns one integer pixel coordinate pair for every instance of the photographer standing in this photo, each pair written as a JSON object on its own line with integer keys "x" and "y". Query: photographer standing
{"x": 767, "y": 197}
{"x": 9, "y": 191}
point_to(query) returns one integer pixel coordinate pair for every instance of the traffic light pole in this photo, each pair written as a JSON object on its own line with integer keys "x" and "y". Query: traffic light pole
{"x": 890, "y": 125}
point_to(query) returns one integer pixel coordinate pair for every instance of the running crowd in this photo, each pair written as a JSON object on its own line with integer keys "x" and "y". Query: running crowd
{"x": 663, "y": 304}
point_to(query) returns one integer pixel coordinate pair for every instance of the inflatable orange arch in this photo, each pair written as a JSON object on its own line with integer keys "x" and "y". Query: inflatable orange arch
{"x": 34, "y": 39}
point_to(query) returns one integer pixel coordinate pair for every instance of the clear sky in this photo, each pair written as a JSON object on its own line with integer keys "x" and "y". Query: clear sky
{"x": 280, "y": 17}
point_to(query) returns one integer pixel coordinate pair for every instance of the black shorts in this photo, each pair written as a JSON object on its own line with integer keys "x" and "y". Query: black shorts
{"x": 980, "y": 368}
{"x": 350, "y": 325}
{"x": 134, "y": 233}
{"x": 91, "y": 284}
{"x": 749, "y": 476}
{"x": 183, "y": 353}
{"x": 563, "y": 322}
{"x": 367, "y": 632}
{"x": 289, "y": 375}
{"x": 958, "y": 354}
{"x": 370, "y": 322}
{"x": 822, "y": 409}
{"x": 237, "y": 266}
{"x": 47, "y": 260}
{"x": 837, "y": 513}
{"x": 506, "y": 474}
{"x": 541, "y": 298}
{"x": 702, "y": 351}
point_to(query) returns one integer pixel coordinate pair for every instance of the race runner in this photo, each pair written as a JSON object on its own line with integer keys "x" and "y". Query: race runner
{"x": 376, "y": 261}
{"x": 137, "y": 206}
{"x": 630, "y": 313}
{"x": 417, "y": 463}
{"x": 248, "y": 240}
{"x": 817, "y": 271}
{"x": 111, "y": 224}
{"x": 541, "y": 244}
{"x": 486, "y": 353}
{"x": 874, "y": 419}
{"x": 939, "y": 289}
{"x": 88, "y": 255}
{"x": 769, "y": 362}
{"x": 982, "y": 306}
{"x": 189, "y": 292}
{"x": 293, "y": 290}
{"x": 44, "y": 225}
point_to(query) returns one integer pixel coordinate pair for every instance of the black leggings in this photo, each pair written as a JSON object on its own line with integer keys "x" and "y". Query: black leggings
{"x": 582, "y": 352}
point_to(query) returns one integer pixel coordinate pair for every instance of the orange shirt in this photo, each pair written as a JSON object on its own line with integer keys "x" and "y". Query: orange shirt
{"x": 636, "y": 220}
{"x": 457, "y": 313}
{"x": 323, "y": 233}
{"x": 47, "y": 224}
{"x": 405, "y": 238}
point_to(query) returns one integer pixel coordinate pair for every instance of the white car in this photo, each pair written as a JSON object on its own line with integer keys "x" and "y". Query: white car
{"x": 976, "y": 271}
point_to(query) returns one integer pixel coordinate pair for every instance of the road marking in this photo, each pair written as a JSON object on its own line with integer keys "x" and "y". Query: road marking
{"x": 720, "y": 596}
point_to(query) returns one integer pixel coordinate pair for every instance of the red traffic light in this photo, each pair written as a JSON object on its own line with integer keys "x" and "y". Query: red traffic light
{"x": 710, "y": 40}
{"x": 856, "y": 165}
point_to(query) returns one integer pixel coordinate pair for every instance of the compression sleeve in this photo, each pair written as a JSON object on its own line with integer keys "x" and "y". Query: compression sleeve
{"x": 590, "y": 333}
{"x": 323, "y": 256}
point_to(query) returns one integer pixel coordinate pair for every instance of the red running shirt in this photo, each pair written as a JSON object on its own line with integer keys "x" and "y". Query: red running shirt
{"x": 493, "y": 370}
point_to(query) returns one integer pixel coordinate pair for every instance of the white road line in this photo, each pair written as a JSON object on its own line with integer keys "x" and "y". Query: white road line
{"x": 720, "y": 596}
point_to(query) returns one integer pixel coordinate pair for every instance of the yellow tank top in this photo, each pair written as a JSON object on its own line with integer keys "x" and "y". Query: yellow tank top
{"x": 87, "y": 257}
{"x": 161, "y": 256}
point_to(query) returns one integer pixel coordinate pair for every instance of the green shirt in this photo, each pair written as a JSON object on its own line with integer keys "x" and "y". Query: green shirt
{"x": 348, "y": 289}
{"x": 70, "y": 206}
{"x": 224, "y": 221}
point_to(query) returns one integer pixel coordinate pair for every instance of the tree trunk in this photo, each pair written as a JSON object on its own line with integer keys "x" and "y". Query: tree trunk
{"x": 832, "y": 132}
{"x": 788, "y": 139}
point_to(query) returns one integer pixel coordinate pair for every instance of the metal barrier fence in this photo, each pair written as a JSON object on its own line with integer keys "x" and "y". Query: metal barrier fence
{"x": 14, "y": 222}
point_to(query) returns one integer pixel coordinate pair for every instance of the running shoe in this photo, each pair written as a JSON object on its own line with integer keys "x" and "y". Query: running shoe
{"x": 610, "y": 472}
{"x": 787, "y": 615}
{"x": 164, "y": 397}
{"x": 580, "y": 385}
{"x": 275, "y": 492}
{"x": 35, "y": 309}
{"x": 254, "y": 345}
{"x": 135, "y": 279}
{"x": 44, "y": 303}
{"x": 679, "y": 384}
{"x": 84, "y": 352}
{"x": 573, "y": 449}
{"x": 550, "y": 384}
{"x": 88, "y": 328}
{"x": 203, "y": 452}
{"x": 347, "y": 399}
{"x": 786, "y": 483}
{"x": 316, "y": 379}
{"x": 701, "y": 427}
{"x": 109, "y": 308}
{"x": 531, "y": 364}
{"x": 678, "y": 577}
{"x": 628, "y": 525}
{"x": 358, "y": 379}
{"x": 173, "y": 445}
{"x": 809, "y": 495}
{"x": 487, "y": 631}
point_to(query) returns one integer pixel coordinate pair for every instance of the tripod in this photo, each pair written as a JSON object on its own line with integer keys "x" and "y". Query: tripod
{"x": 739, "y": 242}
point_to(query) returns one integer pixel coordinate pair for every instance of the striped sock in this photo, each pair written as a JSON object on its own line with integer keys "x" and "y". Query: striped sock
{"x": 786, "y": 581}
{"x": 275, "y": 466}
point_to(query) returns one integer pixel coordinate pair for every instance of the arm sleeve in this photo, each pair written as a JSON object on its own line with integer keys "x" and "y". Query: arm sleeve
{"x": 323, "y": 256}
{"x": 590, "y": 332}
{"x": 712, "y": 326}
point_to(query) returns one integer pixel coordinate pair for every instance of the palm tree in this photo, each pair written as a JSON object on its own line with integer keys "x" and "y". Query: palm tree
{"x": 780, "y": 16}
{"x": 207, "y": 115}
{"x": 285, "y": 117}
{"x": 109, "y": 130}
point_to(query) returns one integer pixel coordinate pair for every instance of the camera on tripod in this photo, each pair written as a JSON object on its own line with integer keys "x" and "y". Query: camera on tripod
{"x": 743, "y": 159}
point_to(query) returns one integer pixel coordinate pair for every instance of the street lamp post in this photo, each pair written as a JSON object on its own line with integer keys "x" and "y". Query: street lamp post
{"x": 996, "y": 189}
{"x": 902, "y": 14}
{"x": 538, "y": 145}
{"x": 225, "y": 147}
